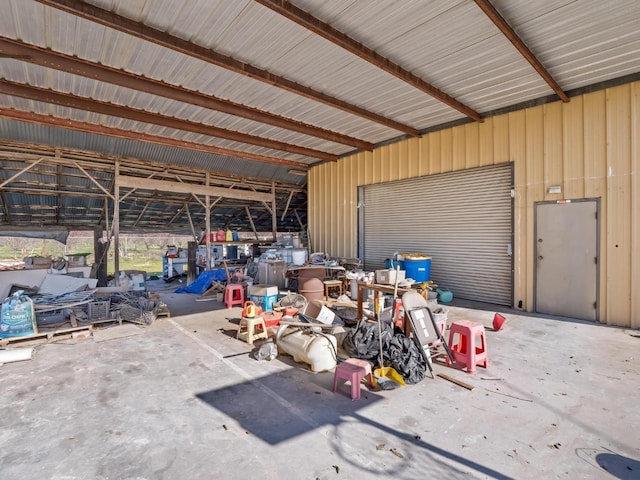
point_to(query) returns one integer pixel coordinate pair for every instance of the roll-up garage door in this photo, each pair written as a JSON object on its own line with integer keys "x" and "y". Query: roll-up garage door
{"x": 462, "y": 219}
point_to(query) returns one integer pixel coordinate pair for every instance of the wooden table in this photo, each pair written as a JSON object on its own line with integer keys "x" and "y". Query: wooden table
{"x": 377, "y": 289}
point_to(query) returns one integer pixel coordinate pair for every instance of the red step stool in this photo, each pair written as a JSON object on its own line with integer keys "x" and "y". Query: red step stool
{"x": 353, "y": 370}
{"x": 468, "y": 344}
{"x": 233, "y": 295}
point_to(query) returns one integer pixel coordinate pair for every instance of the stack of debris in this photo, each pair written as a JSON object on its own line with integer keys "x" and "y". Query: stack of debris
{"x": 66, "y": 306}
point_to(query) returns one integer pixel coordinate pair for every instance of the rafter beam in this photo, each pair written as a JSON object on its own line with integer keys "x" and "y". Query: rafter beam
{"x": 145, "y": 32}
{"x": 253, "y": 226}
{"x": 97, "y": 106}
{"x": 97, "y": 184}
{"x": 499, "y": 21}
{"x": 286, "y": 207}
{"x": 142, "y": 137}
{"x": 176, "y": 187}
{"x": 104, "y": 73}
{"x": 326, "y": 31}
{"x": 144, "y": 210}
{"x": 25, "y": 169}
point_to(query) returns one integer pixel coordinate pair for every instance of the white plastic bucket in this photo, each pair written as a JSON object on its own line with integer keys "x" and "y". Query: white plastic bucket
{"x": 299, "y": 256}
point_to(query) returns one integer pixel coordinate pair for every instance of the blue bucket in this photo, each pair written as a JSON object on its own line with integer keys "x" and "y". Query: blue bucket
{"x": 418, "y": 268}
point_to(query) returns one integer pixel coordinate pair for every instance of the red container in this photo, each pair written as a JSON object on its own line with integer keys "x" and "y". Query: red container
{"x": 498, "y": 321}
{"x": 271, "y": 318}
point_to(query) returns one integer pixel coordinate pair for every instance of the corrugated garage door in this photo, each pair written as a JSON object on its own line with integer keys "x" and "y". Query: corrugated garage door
{"x": 462, "y": 219}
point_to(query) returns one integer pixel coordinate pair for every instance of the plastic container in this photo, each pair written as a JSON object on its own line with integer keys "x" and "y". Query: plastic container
{"x": 298, "y": 256}
{"x": 444, "y": 295}
{"x": 317, "y": 350}
{"x": 249, "y": 309}
{"x": 388, "y": 277}
{"x": 271, "y": 318}
{"x": 220, "y": 236}
{"x": 417, "y": 267}
{"x": 265, "y": 302}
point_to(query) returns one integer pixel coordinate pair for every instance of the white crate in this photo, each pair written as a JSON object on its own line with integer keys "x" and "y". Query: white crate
{"x": 388, "y": 277}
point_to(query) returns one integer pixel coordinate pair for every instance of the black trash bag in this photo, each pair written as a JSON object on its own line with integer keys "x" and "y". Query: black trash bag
{"x": 404, "y": 356}
{"x": 362, "y": 341}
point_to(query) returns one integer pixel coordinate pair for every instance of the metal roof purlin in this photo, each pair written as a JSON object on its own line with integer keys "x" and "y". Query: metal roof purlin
{"x": 142, "y": 137}
{"x": 91, "y": 105}
{"x": 150, "y": 34}
{"x": 77, "y": 66}
{"x": 493, "y": 14}
{"x": 326, "y": 31}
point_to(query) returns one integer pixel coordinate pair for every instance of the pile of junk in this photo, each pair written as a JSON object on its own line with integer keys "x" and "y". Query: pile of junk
{"x": 325, "y": 334}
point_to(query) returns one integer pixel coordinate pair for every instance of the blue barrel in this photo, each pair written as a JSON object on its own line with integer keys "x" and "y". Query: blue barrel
{"x": 418, "y": 268}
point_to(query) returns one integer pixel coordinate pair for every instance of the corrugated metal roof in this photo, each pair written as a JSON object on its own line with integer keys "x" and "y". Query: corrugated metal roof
{"x": 451, "y": 44}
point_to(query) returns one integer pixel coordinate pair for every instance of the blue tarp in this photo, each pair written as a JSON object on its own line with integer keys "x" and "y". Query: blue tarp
{"x": 204, "y": 281}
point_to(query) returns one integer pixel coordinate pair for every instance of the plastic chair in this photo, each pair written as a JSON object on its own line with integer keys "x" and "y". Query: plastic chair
{"x": 468, "y": 345}
{"x": 427, "y": 334}
{"x": 254, "y": 329}
{"x": 233, "y": 295}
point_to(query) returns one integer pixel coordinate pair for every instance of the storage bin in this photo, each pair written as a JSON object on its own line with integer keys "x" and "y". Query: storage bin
{"x": 51, "y": 317}
{"x": 388, "y": 277}
{"x": 266, "y": 302}
{"x": 99, "y": 310}
{"x": 417, "y": 267}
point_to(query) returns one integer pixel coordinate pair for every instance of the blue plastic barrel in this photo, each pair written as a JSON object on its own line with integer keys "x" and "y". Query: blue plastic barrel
{"x": 418, "y": 268}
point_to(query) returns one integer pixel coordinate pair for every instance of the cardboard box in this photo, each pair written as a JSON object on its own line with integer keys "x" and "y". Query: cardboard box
{"x": 317, "y": 310}
{"x": 388, "y": 277}
{"x": 263, "y": 290}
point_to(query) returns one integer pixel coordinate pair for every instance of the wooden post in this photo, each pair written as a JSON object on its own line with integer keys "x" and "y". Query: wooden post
{"x": 207, "y": 212}
{"x": 116, "y": 224}
{"x": 274, "y": 217}
{"x": 100, "y": 255}
{"x": 191, "y": 262}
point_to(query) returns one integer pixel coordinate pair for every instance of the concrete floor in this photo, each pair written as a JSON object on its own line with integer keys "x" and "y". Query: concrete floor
{"x": 183, "y": 400}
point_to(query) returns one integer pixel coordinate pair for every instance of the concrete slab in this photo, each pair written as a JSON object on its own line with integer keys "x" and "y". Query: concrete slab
{"x": 115, "y": 332}
{"x": 184, "y": 400}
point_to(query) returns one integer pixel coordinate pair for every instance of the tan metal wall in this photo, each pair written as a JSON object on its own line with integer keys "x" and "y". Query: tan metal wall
{"x": 589, "y": 146}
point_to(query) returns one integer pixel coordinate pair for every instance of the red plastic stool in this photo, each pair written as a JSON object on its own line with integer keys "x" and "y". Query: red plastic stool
{"x": 233, "y": 295}
{"x": 352, "y": 372}
{"x": 468, "y": 344}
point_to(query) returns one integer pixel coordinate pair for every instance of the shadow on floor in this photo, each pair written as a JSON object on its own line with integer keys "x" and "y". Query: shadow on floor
{"x": 618, "y": 466}
{"x": 300, "y": 407}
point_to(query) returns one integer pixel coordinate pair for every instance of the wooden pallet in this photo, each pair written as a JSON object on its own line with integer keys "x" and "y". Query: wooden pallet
{"x": 48, "y": 337}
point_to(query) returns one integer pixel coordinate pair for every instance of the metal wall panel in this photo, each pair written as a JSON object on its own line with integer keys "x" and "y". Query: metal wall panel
{"x": 619, "y": 220}
{"x": 589, "y": 147}
{"x": 461, "y": 219}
